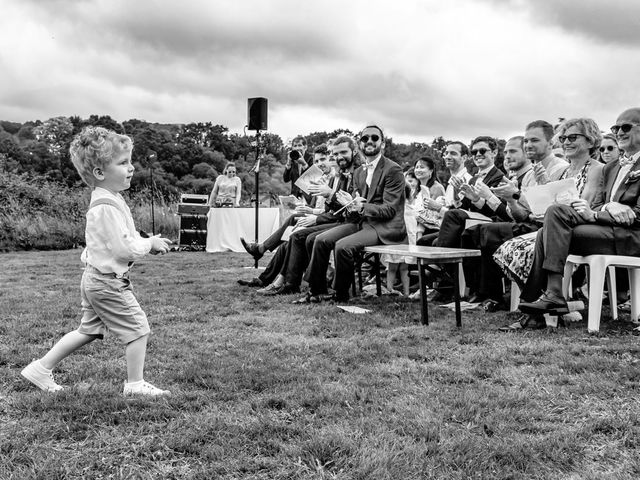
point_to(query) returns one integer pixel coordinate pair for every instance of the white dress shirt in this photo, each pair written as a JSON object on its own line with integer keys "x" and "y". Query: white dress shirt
{"x": 371, "y": 166}
{"x": 111, "y": 236}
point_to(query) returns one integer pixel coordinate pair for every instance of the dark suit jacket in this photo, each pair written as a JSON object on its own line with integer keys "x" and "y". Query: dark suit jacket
{"x": 627, "y": 238}
{"x": 384, "y": 208}
{"x": 331, "y": 205}
{"x": 492, "y": 179}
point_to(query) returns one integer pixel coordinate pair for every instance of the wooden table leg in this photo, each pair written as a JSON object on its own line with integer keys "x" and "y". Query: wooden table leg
{"x": 424, "y": 310}
{"x": 456, "y": 293}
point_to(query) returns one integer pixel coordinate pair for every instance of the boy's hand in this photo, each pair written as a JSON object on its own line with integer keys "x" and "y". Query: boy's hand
{"x": 159, "y": 245}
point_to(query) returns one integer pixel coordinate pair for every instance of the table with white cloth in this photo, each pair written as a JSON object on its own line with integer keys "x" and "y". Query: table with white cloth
{"x": 225, "y": 226}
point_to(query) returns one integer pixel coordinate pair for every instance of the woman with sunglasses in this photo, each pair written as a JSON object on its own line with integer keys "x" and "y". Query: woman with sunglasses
{"x": 580, "y": 138}
{"x": 609, "y": 151}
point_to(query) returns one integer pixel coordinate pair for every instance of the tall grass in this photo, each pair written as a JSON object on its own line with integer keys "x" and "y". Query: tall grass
{"x": 36, "y": 213}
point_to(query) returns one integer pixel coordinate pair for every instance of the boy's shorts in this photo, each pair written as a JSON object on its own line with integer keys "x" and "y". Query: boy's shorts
{"x": 108, "y": 304}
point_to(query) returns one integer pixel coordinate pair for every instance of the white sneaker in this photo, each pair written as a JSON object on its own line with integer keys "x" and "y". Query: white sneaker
{"x": 43, "y": 379}
{"x": 143, "y": 388}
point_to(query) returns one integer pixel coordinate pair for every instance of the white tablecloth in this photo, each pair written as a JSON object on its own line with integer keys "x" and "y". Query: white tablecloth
{"x": 226, "y": 225}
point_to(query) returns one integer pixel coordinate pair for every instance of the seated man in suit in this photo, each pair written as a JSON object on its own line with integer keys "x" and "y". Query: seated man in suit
{"x": 304, "y": 216}
{"x": 295, "y": 258}
{"x": 483, "y": 151}
{"x": 610, "y": 227}
{"x": 376, "y": 215}
{"x": 257, "y": 250}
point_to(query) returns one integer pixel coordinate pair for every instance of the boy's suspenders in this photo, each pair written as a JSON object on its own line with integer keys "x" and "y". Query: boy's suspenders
{"x": 105, "y": 201}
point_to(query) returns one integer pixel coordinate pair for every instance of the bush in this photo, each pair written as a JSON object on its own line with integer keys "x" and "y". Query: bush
{"x": 40, "y": 214}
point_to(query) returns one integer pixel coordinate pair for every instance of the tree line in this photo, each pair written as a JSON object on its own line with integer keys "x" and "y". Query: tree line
{"x": 180, "y": 158}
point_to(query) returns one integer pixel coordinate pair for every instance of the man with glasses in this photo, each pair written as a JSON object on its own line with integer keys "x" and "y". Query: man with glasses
{"x": 483, "y": 151}
{"x": 375, "y": 215}
{"x": 610, "y": 227}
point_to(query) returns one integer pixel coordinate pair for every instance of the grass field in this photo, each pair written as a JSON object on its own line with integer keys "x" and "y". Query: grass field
{"x": 262, "y": 389}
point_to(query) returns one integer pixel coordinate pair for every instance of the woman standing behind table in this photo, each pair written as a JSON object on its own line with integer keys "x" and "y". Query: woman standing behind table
{"x": 227, "y": 189}
{"x": 609, "y": 151}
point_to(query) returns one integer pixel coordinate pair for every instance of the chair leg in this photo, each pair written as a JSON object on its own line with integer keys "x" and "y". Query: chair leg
{"x": 597, "y": 272}
{"x": 515, "y": 297}
{"x": 634, "y": 289}
{"x": 462, "y": 284}
{"x": 566, "y": 279}
{"x": 613, "y": 292}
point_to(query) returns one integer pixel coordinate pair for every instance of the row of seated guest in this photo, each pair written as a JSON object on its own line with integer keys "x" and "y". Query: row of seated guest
{"x": 606, "y": 207}
{"x": 364, "y": 206}
{"x": 227, "y": 188}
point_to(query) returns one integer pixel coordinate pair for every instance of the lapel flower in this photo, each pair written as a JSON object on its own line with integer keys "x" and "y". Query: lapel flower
{"x": 633, "y": 177}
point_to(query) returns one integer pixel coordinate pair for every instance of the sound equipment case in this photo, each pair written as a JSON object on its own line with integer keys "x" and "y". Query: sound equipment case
{"x": 193, "y": 211}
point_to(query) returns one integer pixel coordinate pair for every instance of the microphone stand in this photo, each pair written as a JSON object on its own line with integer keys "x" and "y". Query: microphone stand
{"x": 257, "y": 180}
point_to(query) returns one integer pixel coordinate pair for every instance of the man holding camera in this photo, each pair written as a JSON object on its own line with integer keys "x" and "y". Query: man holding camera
{"x": 298, "y": 160}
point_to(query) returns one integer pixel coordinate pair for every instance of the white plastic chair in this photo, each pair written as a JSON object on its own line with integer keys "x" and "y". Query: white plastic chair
{"x": 598, "y": 266}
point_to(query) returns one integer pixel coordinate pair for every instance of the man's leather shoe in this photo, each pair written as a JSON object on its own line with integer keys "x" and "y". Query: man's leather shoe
{"x": 285, "y": 289}
{"x": 532, "y": 322}
{"x": 308, "y": 298}
{"x": 545, "y": 304}
{"x": 252, "y": 249}
{"x": 254, "y": 282}
{"x": 334, "y": 297}
{"x": 266, "y": 290}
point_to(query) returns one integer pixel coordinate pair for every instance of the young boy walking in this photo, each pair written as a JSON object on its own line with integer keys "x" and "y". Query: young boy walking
{"x": 103, "y": 160}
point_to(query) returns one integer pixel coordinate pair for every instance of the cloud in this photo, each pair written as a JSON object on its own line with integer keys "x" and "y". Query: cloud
{"x": 615, "y": 22}
{"x": 420, "y": 68}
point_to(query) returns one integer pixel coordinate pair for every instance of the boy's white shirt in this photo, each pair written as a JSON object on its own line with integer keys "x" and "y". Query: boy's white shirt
{"x": 112, "y": 239}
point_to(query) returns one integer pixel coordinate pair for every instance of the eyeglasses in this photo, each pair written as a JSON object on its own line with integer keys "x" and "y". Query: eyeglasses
{"x": 571, "y": 137}
{"x": 625, "y": 127}
{"x": 608, "y": 148}
{"x": 480, "y": 151}
{"x": 374, "y": 138}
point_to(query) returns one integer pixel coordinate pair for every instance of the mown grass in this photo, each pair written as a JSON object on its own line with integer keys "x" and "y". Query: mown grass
{"x": 266, "y": 390}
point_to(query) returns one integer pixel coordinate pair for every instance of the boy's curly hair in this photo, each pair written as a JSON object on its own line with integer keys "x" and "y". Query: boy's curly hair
{"x": 95, "y": 147}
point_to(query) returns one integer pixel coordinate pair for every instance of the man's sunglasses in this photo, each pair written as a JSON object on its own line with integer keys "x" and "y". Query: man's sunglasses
{"x": 625, "y": 127}
{"x": 608, "y": 148}
{"x": 480, "y": 151}
{"x": 374, "y": 138}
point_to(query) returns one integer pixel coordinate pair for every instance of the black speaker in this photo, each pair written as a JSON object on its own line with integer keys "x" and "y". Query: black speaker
{"x": 257, "y": 113}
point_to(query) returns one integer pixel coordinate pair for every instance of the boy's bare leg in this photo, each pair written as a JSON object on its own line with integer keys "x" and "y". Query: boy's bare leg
{"x": 135, "y": 353}
{"x": 68, "y": 344}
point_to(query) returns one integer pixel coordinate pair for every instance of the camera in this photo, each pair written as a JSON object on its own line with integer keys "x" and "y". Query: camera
{"x": 294, "y": 155}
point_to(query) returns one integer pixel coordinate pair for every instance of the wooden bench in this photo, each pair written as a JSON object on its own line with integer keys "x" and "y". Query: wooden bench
{"x": 426, "y": 256}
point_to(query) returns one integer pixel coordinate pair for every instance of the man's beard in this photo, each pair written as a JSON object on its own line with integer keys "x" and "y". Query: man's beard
{"x": 375, "y": 153}
{"x": 345, "y": 164}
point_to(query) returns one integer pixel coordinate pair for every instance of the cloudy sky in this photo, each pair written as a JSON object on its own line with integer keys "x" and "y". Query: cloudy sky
{"x": 419, "y": 68}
